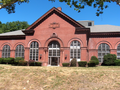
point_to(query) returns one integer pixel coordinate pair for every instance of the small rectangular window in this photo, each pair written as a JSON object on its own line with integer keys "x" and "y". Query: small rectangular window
{"x": 89, "y": 23}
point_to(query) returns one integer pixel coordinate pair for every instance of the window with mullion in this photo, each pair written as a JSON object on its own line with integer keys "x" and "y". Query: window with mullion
{"x": 103, "y": 49}
{"x": 75, "y": 49}
{"x": 34, "y": 47}
{"x": 6, "y": 51}
{"x": 19, "y": 52}
{"x": 118, "y": 51}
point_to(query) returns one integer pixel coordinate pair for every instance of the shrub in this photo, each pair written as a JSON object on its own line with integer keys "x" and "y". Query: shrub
{"x": 91, "y": 63}
{"x": 65, "y": 64}
{"x": 22, "y": 63}
{"x": 117, "y": 62}
{"x": 1, "y": 60}
{"x": 82, "y": 63}
{"x": 109, "y": 59}
{"x": 35, "y": 64}
{"x": 73, "y": 62}
{"x": 9, "y": 60}
{"x": 19, "y": 58}
{"x": 94, "y": 58}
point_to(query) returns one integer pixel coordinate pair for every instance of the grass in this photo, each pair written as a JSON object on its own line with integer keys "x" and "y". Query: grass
{"x": 59, "y": 78}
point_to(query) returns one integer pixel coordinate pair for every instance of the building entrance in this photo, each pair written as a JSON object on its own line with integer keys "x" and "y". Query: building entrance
{"x": 54, "y": 53}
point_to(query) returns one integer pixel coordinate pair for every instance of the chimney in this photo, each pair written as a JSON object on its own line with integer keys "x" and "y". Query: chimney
{"x": 59, "y": 8}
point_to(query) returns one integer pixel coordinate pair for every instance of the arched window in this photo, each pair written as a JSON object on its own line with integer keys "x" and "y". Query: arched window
{"x": 75, "y": 50}
{"x": 34, "y": 47}
{"x": 103, "y": 49}
{"x": 6, "y": 51}
{"x": 19, "y": 51}
{"x": 118, "y": 51}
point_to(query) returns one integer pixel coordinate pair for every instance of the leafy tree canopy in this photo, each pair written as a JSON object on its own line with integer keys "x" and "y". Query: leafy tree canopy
{"x": 12, "y": 26}
{"x": 78, "y": 4}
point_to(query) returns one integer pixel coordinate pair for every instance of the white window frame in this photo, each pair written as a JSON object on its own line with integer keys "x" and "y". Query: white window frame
{"x": 118, "y": 51}
{"x": 103, "y": 49}
{"x": 19, "y": 51}
{"x": 34, "y": 51}
{"x": 75, "y": 47}
{"x": 6, "y": 51}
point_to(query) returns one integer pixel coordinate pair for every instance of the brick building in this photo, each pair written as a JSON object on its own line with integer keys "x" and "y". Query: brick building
{"x": 56, "y": 38}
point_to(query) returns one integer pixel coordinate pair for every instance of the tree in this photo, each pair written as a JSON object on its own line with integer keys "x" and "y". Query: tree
{"x": 13, "y": 26}
{"x": 78, "y": 4}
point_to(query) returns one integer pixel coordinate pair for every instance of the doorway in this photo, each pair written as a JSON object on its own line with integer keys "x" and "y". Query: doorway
{"x": 54, "y": 53}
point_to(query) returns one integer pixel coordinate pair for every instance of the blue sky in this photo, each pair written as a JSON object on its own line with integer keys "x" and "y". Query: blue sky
{"x": 36, "y": 8}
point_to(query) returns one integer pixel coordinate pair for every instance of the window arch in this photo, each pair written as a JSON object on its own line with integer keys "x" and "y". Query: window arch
{"x": 75, "y": 50}
{"x": 103, "y": 49}
{"x": 19, "y": 51}
{"x": 6, "y": 51}
{"x": 118, "y": 51}
{"x": 34, "y": 47}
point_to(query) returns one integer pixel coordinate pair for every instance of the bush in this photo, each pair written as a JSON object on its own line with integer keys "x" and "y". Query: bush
{"x": 82, "y": 63}
{"x": 91, "y": 63}
{"x": 35, "y": 64}
{"x": 22, "y": 63}
{"x": 9, "y": 60}
{"x": 94, "y": 58}
{"x": 109, "y": 59}
{"x": 19, "y": 58}
{"x": 65, "y": 64}
{"x": 73, "y": 62}
{"x": 117, "y": 62}
{"x": 1, "y": 60}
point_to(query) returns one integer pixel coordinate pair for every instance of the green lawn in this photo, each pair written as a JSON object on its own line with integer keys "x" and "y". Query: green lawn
{"x": 59, "y": 78}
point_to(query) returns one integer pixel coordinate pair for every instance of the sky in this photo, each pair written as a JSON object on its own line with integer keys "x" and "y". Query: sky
{"x": 33, "y": 10}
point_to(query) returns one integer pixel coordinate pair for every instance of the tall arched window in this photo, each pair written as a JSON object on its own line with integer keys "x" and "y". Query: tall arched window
{"x": 103, "y": 49}
{"x": 19, "y": 51}
{"x": 75, "y": 50}
{"x": 6, "y": 51}
{"x": 118, "y": 51}
{"x": 34, "y": 47}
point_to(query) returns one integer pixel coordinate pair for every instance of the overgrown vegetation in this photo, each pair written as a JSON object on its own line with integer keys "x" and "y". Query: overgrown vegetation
{"x": 59, "y": 78}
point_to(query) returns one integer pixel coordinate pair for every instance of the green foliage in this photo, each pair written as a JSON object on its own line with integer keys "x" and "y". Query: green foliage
{"x": 35, "y": 64}
{"x": 80, "y": 4}
{"x": 9, "y": 5}
{"x": 82, "y": 63}
{"x": 1, "y": 60}
{"x": 91, "y": 63}
{"x": 73, "y": 62}
{"x": 19, "y": 58}
{"x": 9, "y": 60}
{"x": 117, "y": 62}
{"x": 65, "y": 64}
{"x": 13, "y": 26}
{"x": 94, "y": 58}
{"x": 22, "y": 63}
{"x": 109, "y": 59}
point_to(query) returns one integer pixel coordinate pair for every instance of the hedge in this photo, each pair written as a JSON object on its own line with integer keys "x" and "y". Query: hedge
{"x": 91, "y": 63}
{"x": 117, "y": 62}
{"x": 35, "y": 64}
{"x": 9, "y": 60}
{"x": 65, "y": 64}
{"x": 82, "y": 63}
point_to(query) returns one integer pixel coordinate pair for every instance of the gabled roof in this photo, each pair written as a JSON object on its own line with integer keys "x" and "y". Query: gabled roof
{"x": 59, "y": 13}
